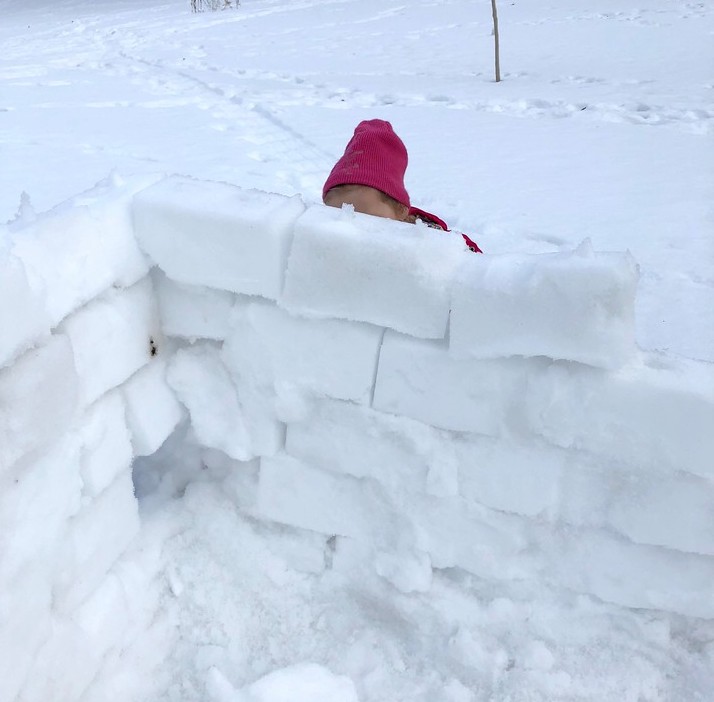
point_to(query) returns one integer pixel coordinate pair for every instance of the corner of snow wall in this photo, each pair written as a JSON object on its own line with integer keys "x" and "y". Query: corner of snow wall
{"x": 82, "y": 392}
{"x": 433, "y": 408}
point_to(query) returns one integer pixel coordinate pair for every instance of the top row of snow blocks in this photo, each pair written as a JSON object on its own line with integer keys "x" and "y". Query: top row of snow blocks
{"x": 323, "y": 262}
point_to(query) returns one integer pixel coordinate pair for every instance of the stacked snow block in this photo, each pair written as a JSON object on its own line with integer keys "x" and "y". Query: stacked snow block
{"x": 81, "y": 393}
{"x": 405, "y": 399}
{"x": 436, "y": 408}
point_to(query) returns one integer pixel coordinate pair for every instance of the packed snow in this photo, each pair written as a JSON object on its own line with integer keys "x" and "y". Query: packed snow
{"x": 370, "y": 465}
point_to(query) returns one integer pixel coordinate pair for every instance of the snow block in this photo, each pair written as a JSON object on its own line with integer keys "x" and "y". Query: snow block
{"x": 64, "y": 665}
{"x": 101, "y": 627}
{"x": 460, "y": 535}
{"x": 346, "y": 438}
{"x": 275, "y": 378}
{"x": 205, "y": 387}
{"x": 102, "y": 617}
{"x": 193, "y": 311}
{"x": 113, "y": 337}
{"x": 23, "y": 317}
{"x": 675, "y": 512}
{"x": 38, "y": 399}
{"x": 508, "y": 476}
{"x": 152, "y": 410}
{"x": 369, "y": 269}
{"x": 293, "y": 493}
{"x": 241, "y": 237}
{"x": 140, "y": 575}
{"x": 26, "y": 623}
{"x": 106, "y": 444}
{"x": 576, "y": 306}
{"x": 407, "y": 570}
{"x": 96, "y": 538}
{"x": 588, "y": 487}
{"x": 324, "y": 357}
{"x": 632, "y": 575}
{"x": 38, "y": 495}
{"x": 419, "y": 379}
{"x": 651, "y": 417}
{"x": 84, "y": 246}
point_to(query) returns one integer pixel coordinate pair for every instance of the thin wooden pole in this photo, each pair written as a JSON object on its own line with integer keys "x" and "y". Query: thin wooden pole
{"x": 495, "y": 40}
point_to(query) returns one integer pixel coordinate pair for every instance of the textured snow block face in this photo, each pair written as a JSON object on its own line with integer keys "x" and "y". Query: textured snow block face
{"x": 96, "y": 538}
{"x": 113, "y": 337}
{"x": 23, "y": 318}
{"x": 674, "y": 512}
{"x": 104, "y": 625}
{"x": 279, "y": 361}
{"x": 587, "y": 489}
{"x": 82, "y": 248}
{"x": 293, "y": 493}
{"x": 419, "y": 379}
{"x": 152, "y": 410}
{"x": 106, "y": 444}
{"x": 370, "y": 269}
{"x": 632, "y": 575}
{"x": 510, "y": 477}
{"x": 325, "y": 357}
{"x": 577, "y": 306}
{"x": 37, "y": 497}
{"x": 193, "y": 311}
{"x": 401, "y": 454}
{"x": 483, "y": 542}
{"x": 205, "y": 387}
{"x": 25, "y": 613}
{"x": 137, "y": 604}
{"x": 648, "y": 417}
{"x": 241, "y": 237}
{"x": 38, "y": 399}
{"x": 64, "y": 665}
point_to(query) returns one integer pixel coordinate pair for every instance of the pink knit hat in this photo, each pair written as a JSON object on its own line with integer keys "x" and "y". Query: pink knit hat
{"x": 375, "y": 156}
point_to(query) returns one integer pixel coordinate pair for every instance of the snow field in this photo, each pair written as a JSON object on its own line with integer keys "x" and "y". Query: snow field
{"x": 408, "y": 456}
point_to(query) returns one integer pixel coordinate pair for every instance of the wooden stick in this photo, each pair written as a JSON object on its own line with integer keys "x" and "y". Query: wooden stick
{"x": 495, "y": 39}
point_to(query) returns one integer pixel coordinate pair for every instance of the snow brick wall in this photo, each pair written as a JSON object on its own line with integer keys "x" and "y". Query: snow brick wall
{"x": 421, "y": 406}
{"x": 81, "y": 394}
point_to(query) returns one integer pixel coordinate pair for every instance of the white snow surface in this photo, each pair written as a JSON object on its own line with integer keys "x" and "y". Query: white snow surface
{"x": 601, "y": 129}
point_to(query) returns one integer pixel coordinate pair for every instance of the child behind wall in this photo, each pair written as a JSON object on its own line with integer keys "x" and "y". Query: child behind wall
{"x": 370, "y": 177}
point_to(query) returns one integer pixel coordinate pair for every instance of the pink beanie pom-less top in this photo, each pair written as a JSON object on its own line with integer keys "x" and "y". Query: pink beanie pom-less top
{"x": 375, "y": 156}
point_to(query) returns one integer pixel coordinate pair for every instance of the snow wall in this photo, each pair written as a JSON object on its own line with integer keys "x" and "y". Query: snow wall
{"x": 374, "y": 382}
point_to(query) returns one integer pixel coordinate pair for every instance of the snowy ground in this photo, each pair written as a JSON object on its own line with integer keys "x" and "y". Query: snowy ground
{"x": 601, "y": 128}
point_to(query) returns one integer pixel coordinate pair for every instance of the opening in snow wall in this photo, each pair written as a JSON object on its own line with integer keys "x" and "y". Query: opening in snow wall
{"x": 372, "y": 381}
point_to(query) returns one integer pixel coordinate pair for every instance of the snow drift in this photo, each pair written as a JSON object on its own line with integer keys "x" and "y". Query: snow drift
{"x": 418, "y": 406}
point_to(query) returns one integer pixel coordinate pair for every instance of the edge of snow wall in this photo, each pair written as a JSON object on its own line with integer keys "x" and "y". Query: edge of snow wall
{"x": 423, "y": 405}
